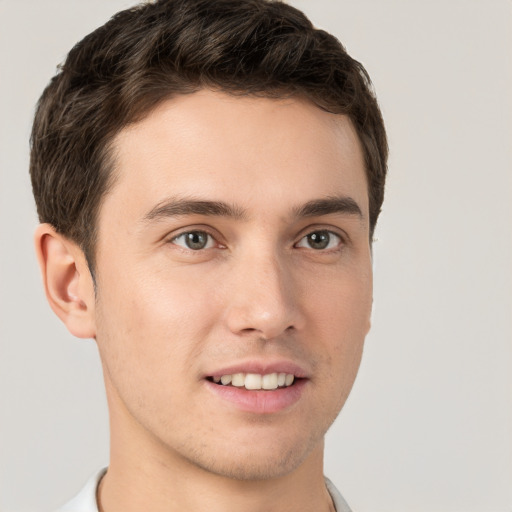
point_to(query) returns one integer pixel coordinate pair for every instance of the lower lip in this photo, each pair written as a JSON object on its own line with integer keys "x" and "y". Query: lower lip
{"x": 259, "y": 401}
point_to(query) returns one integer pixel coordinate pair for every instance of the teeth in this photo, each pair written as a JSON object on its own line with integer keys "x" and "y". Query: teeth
{"x": 252, "y": 381}
{"x": 256, "y": 381}
{"x": 269, "y": 381}
{"x": 289, "y": 380}
{"x": 238, "y": 380}
{"x": 226, "y": 379}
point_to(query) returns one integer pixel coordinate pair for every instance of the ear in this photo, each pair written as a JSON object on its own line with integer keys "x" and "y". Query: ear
{"x": 67, "y": 281}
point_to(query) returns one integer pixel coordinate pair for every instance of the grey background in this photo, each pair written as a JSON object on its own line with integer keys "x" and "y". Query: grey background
{"x": 428, "y": 426}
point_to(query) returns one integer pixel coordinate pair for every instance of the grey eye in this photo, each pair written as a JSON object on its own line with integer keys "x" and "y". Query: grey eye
{"x": 320, "y": 240}
{"x": 194, "y": 240}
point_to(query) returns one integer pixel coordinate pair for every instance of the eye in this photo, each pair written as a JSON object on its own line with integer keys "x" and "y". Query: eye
{"x": 320, "y": 240}
{"x": 194, "y": 240}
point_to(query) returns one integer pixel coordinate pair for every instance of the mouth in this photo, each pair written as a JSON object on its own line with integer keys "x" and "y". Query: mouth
{"x": 259, "y": 387}
{"x": 255, "y": 381}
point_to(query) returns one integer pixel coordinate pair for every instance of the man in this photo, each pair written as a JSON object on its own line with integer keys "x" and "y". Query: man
{"x": 208, "y": 176}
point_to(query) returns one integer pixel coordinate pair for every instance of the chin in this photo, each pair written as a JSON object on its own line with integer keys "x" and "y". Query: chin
{"x": 257, "y": 459}
{"x": 254, "y": 468}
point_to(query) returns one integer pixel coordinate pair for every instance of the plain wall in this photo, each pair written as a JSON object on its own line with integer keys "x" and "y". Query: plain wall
{"x": 428, "y": 427}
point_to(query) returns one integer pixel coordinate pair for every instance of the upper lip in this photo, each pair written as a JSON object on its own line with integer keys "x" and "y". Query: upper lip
{"x": 261, "y": 367}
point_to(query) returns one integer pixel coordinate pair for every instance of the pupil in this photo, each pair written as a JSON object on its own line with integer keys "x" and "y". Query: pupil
{"x": 319, "y": 240}
{"x": 196, "y": 240}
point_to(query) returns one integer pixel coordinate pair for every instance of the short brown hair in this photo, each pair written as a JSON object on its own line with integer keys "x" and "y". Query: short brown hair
{"x": 117, "y": 74}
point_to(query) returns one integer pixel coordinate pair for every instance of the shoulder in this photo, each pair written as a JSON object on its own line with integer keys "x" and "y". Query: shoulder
{"x": 85, "y": 500}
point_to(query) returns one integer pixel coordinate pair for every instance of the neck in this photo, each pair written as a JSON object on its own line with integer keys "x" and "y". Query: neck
{"x": 159, "y": 489}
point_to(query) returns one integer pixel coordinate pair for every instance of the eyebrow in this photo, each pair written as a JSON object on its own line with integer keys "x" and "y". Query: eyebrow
{"x": 175, "y": 206}
{"x": 329, "y": 205}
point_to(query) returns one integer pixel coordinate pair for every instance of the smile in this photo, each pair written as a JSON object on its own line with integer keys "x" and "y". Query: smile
{"x": 255, "y": 381}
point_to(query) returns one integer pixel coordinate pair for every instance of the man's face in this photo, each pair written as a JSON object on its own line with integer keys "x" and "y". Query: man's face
{"x": 234, "y": 241}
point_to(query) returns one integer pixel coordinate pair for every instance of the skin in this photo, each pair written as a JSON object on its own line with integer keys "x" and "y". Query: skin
{"x": 166, "y": 316}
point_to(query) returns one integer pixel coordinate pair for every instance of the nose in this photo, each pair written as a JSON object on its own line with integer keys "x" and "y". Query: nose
{"x": 264, "y": 298}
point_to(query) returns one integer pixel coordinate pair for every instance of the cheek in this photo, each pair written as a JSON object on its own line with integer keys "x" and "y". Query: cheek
{"x": 340, "y": 312}
{"x": 150, "y": 336}
{"x": 342, "y": 303}
{"x": 151, "y": 326}
{"x": 153, "y": 300}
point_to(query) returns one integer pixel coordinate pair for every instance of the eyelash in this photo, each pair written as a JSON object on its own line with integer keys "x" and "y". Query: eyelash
{"x": 193, "y": 232}
{"x": 209, "y": 238}
{"x": 322, "y": 232}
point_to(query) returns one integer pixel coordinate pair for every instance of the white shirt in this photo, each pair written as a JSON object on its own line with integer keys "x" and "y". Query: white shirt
{"x": 85, "y": 500}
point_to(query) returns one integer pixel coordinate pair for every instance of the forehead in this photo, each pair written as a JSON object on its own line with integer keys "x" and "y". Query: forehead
{"x": 260, "y": 151}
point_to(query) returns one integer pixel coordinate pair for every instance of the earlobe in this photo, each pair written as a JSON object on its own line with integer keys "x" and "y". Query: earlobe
{"x": 67, "y": 281}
